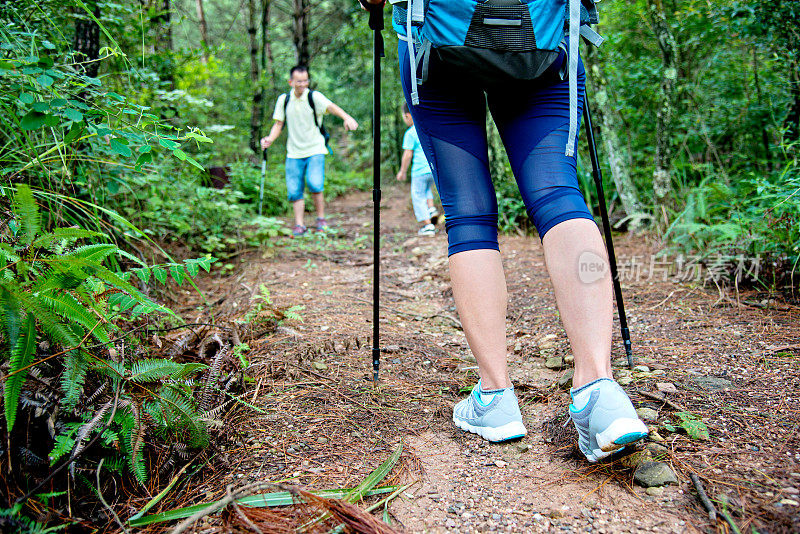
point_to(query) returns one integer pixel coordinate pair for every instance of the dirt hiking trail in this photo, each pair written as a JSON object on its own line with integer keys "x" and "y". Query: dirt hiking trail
{"x": 728, "y": 360}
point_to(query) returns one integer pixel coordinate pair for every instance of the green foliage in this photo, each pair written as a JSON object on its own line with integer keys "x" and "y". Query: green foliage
{"x": 13, "y": 519}
{"x": 755, "y": 217}
{"x": 54, "y": 287}
{"x": 264, "y": 311}
{"x": 58, "y": 122}
{"x": 693, "y": 426}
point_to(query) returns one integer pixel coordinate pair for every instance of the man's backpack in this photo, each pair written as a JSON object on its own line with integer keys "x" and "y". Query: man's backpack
{"x": 320, "y": 125}
{"x": 497, "y": 41}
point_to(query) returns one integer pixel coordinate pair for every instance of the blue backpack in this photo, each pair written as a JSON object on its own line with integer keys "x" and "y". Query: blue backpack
{"x": 497, "y": 40}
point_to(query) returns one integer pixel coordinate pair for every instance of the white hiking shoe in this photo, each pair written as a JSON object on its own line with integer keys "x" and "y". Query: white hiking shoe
{"x": 428, "y": 229}
{"x": 497, "y": 420}
{"x": 606, "y": 421}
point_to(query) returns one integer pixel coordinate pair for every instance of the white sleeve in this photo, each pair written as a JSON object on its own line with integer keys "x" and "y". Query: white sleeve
{"x": 321, "y": 102}
{"x": 279, "y": 114}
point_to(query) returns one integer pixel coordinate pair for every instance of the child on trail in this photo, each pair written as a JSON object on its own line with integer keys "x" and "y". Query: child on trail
{"x": 533, "y": 118}
{"x": 306, "y": 145}
{"x": 421, "y": 177}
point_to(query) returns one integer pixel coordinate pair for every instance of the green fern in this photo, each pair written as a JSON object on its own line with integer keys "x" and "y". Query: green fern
{"x": 53, "y": 285}
{"x": 8, "y": 254}
{"x": 292, "y": 313}
{"x": 135, "y": 461}
{"x": 26, "y": 209}
{"x": 21, "y": 356}
{"x": 72, "y": 380}
{"x": 181, "y": 413}
{"x": 64, "y": 234}
{"x": 11, "y": 316}
{"x": 153, "y": 370}
{"x": 68, "y": 307}
{"x": 65, "y": 442}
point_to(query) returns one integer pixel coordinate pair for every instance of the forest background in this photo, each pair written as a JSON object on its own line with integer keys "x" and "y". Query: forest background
{"x": 113, "y": 113}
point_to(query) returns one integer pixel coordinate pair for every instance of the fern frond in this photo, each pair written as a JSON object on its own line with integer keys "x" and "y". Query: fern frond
{"x": 56, "y": 279}
{"x": 99, "y": 391}
{"x": 11, "y": 313}
{"x": 156, "y": 413}
{"x": 131, "y": 257}
{"x": 85, "y": 430}
{"x": 137, "y": 432}
{"x": 188, "y": 369}
{"x": 182, "y": 414}
{"x": 65, "y": 442}
{"x": 60, "y": 234}
{"x": 25, "y": 207}
{"x": 115, "y": 463}
{"x": 182, "y": 450}
{"x": 48, "y": 321}
{"x": 94, "y": 254}
{"x": 68, "y": 307}
{"x": 153, "y": 369}
{"x": 109, "y": 368}
{"x": 135, "y": 462}
{"x": 213, "y": 414}
{"x": 21, "y": 356}
{"x": 210, "y": 383}
{"x": 75, "y": 367}
{"x": 8, "y": 253}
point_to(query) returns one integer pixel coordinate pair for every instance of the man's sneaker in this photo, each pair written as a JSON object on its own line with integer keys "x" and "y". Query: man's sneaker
{"x": 498, "y": 419}
{"x": 433, "y": 214}
{"x": 322, "y": 224}
{"x": 428, "y": 229}
{"x": 604, "y": 418}
{"x": 298, "y": 230}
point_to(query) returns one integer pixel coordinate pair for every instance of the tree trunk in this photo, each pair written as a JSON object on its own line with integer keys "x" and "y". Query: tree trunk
{"x": 87, "y": 39}
{"x": 201, "y": 17}
{"x": 662, "y": 180}
{"x": 255, "y": 115}
{"x": 301, "y": 16}
{"x": 764, "y": 118}
{"x": 162, "y": 44}
{"x": 267, "y": 60}
{"x": 607, "y": 126}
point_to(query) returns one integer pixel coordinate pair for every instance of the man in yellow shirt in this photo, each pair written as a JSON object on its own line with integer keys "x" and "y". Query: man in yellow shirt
{"x": 305, "y": 146}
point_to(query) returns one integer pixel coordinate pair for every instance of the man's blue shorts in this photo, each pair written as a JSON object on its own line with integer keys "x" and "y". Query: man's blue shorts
{"x": 300, "y": 171}
{"x": 533, "y": 121}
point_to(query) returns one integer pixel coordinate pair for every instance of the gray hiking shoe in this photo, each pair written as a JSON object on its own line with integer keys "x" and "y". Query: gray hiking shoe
{"x": 499, "y": 420}
{"x": 608, "y": 421}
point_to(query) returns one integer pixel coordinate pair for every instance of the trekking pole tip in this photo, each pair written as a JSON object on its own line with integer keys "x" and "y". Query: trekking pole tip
{"x": 629, "y": 353}
{"x": 376, "y": 362}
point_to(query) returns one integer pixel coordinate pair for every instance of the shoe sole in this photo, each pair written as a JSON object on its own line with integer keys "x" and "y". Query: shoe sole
{"x": 512, "y": 430}
{"x": 618, "y": 435}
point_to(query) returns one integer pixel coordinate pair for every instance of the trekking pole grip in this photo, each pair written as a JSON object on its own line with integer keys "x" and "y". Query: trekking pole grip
{"x": 375, "y": 14}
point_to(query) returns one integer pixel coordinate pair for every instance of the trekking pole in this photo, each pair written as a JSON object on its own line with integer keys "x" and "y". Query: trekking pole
{"x": 612, "y": 259}
{"x": 263, "y": 175}
{"x": 376, "y": 25}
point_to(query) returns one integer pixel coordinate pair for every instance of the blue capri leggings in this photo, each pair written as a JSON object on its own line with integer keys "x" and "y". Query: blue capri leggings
{"x": 533, "y": 121}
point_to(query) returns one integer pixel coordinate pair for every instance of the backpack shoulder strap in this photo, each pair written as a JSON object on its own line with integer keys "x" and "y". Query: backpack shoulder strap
{"x": 313, "y": 107}
{"x": 285, "y": 107}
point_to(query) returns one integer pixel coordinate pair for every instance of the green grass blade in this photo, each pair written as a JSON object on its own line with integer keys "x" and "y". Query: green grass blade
{"x": 278, "y": 498}
{"x": 376, "y": 476}
{"x": 155, "y": 500}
